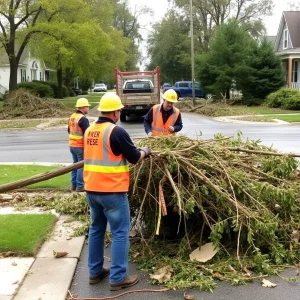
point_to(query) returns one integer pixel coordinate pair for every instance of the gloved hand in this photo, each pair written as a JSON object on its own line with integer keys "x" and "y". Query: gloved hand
{"x": 146, "y": 150}
{"x": 149, "y": 133}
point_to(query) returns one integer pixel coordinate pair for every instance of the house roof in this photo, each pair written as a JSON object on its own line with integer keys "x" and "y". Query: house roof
{"x": 292, "y": 19}
{"x": 289, "y": 51}
{"x": 4, "y": 58}
{"x": 293, "y": 23}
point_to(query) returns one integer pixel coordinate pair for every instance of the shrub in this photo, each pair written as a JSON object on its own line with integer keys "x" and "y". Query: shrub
{"x": 65, "y": 91}
{"x": 52, "y": 84}
{"x": 54, "y": 87}
{"x": 252, "y": 101}
{"x": 42, "y": 90}
{"x": 292, "y": 103}
{"x": 282, "y": 96}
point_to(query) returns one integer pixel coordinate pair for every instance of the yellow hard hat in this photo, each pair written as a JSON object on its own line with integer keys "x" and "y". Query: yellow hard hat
{"x": 82, "y": 102}
{"x": 170, "y": 95}
{"x": 110, "y": 102}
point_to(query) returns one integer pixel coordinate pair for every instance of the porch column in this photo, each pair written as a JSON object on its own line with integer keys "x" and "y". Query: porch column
{"x": 290, "y": 71}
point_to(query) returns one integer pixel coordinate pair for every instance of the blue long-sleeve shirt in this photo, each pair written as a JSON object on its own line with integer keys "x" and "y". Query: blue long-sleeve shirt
{"x": 165, "y": 115}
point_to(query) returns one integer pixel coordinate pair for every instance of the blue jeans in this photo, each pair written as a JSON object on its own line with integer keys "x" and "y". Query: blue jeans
{"x": 77, "y": 175}
{"x": 113, "y": 208}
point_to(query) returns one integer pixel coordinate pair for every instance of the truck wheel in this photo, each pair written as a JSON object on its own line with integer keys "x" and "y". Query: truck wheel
{"x": 123, "y": 117}
{"x": 178, "y": 95}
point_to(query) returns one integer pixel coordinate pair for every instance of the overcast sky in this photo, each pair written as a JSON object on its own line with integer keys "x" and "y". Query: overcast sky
{"x": 161, "y": 6}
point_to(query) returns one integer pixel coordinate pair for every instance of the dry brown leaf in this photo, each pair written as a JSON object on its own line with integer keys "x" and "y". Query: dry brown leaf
{"x": 295, "y": 236}
{"x": 163, "y": 274}
{"x": 136, "y": 254}
{"x": 218, "y": 275}
{"x": 59, "y": 254}
{"x": 268, "y": 284}
{"x": 132, "y": 233}
{"x": 187, "y": 296}
{"x": 207, "y": 252}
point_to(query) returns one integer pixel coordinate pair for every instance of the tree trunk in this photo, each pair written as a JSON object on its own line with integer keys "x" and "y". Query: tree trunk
{"x": 59, "y": 84}
{"x": 40, "y": 177}
{"x": 13, "y": 64}
{"x": 68, "y": 77}
{"x": 227, "y": 93}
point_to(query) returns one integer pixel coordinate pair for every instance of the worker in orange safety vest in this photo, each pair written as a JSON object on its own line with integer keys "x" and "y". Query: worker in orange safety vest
{"x": 164, "y": 119}
{"x": 108, "y": 150}
{"x": 78, "y": 124}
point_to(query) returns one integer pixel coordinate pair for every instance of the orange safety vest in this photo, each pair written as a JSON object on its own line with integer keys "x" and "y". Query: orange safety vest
{"x": 103, "y": 171}
{"x": 76, "y": 133}
{"x": 157, "y": 126}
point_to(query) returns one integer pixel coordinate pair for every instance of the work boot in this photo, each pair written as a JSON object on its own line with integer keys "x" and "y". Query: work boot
{"x": 73, "y": 188}
{"x": 96, "y": 279}
{"x": 80, "y": 190}
{"x": 129, "y": 280}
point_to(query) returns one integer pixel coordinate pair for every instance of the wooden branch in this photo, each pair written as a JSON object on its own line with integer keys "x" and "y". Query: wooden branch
{"x": 262, "y": 152}
{"x": 40, "y": 177}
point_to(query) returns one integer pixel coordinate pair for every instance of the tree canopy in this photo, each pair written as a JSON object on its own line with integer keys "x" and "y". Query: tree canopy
{"x": 90, "y": 43}
{"x": 237, "y": 61}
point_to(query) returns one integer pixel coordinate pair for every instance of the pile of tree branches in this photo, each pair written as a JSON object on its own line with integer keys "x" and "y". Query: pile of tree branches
{"x": 24, "y": 104}
{"x": 238, "y": 195}
{"x": 233, "y": 193}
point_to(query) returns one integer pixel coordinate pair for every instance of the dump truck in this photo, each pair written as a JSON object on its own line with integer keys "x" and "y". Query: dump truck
{"x": 138, "y": 90}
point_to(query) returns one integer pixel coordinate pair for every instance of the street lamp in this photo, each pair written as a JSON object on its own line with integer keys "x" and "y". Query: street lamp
{"x": 192, "y": 51}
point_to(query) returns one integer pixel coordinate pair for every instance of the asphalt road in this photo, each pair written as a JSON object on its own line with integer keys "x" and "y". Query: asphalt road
{"x": 52, "y": 145}
{"x": 284, "y": 290}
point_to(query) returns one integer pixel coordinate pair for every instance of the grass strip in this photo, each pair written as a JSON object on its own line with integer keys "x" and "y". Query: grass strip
{"x": 23, "y": 234}
{"x": 11, "y": 173}
{"x": 17, "y": 124}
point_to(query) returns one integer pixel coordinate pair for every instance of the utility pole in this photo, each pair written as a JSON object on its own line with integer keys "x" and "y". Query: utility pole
{"x": 192, "y": 52}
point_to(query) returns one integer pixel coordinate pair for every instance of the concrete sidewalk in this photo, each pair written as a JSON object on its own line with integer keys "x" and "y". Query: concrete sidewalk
{"x": 43, "y": 277}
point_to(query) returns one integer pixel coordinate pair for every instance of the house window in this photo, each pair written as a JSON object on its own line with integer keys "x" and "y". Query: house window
{"x": 23, "y": 75}
{"x": 295, "y": 71}
{"x": 285, "y": 39}
{"x": 34, "y": 71}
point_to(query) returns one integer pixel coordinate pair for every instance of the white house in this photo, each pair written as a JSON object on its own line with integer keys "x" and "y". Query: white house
{"x": 30, "y": 68}
{"x": 287, "y": 46}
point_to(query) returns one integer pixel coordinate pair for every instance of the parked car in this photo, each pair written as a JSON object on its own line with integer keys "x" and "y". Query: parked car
{"x": 184, "y": 89}
{"x": 165, "y": 85}
{"x": 100, "y": 87}
{"x": 77, "y": 91}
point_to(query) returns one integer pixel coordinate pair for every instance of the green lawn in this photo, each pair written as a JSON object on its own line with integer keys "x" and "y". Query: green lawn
{"x": 23, "y": 233}
{"x": 93, "y": 98}
{"x": 263, "y": 110}
{"x": 11, "y": 173}
{"x": 287, "y": 118}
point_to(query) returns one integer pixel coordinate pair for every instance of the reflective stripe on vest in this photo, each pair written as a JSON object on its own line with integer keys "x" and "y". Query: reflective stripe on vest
{"x": 157, "y": 126}
{"x": 76, "y": 133}
{"x": 103, "y": 171}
